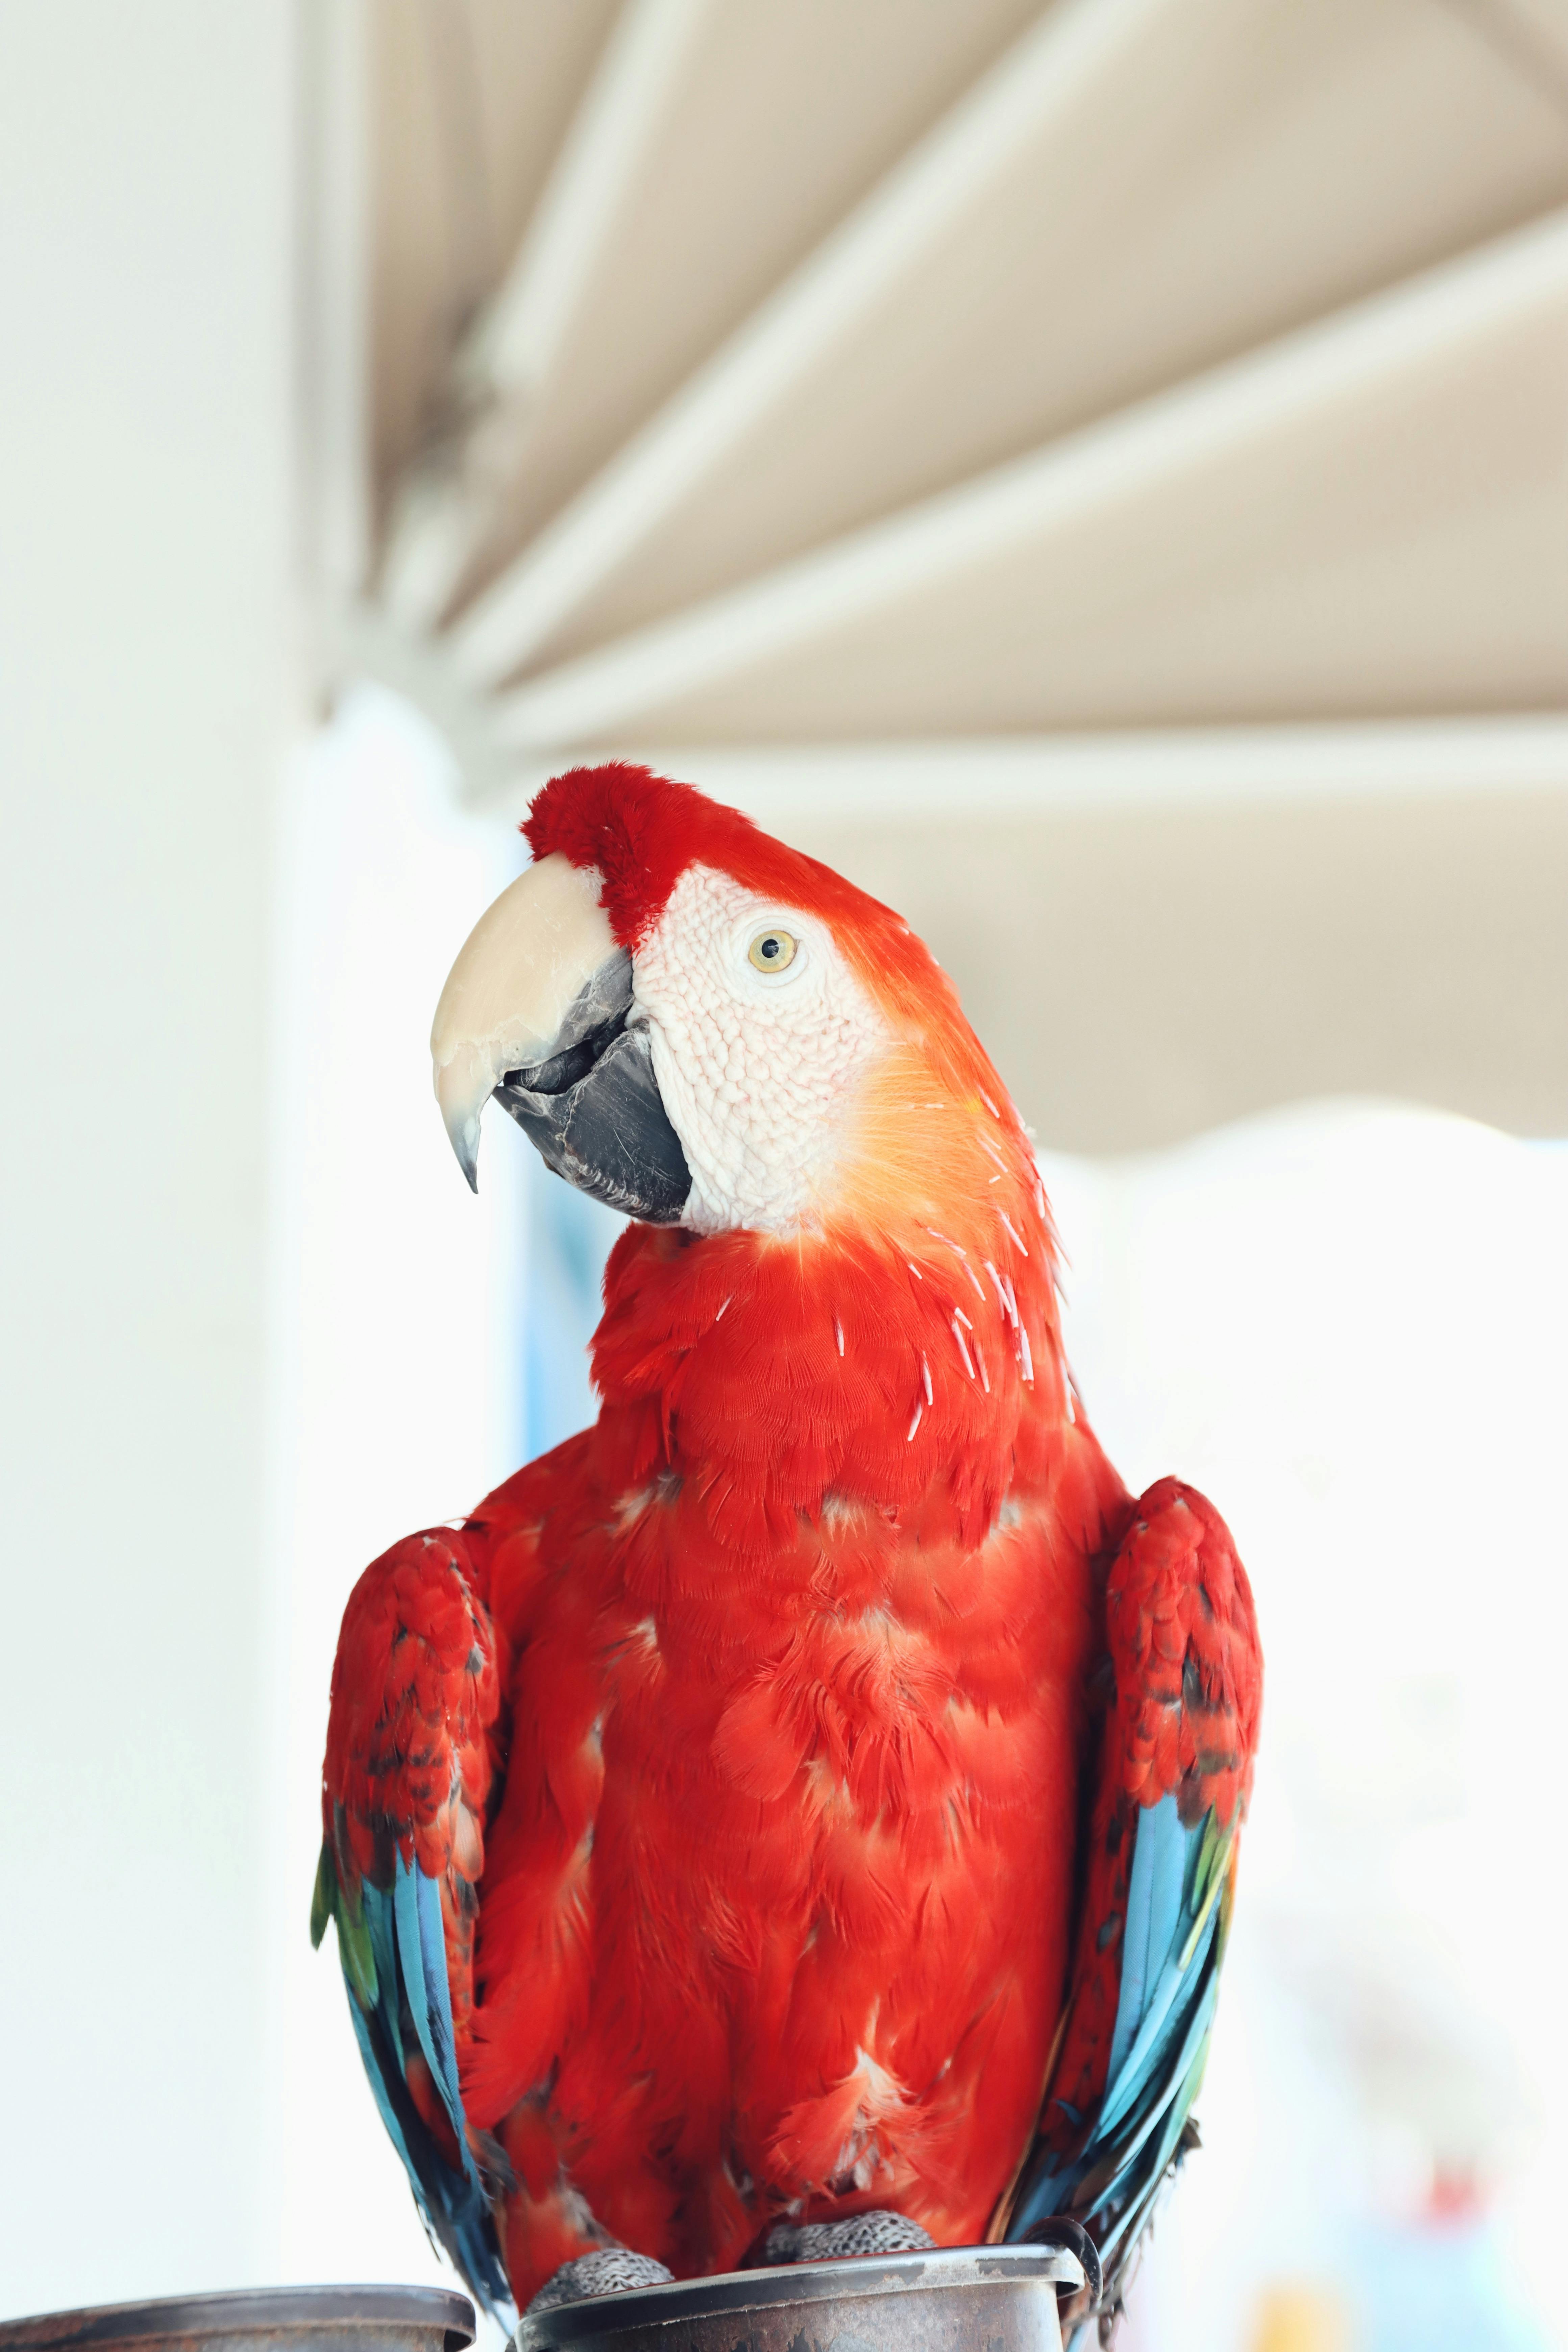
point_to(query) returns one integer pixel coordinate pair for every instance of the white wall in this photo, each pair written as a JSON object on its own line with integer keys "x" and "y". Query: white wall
{"x": 146, "y": 162}
{"x": 399, "y": 1359}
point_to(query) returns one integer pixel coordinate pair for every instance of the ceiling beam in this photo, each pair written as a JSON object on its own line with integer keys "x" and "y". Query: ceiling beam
{"x": 1409, "y": 328}
{"x": 449, "y": 501}
{"x": 514, "y": 346}
{"x": 884, "y": 239}
{"x": 1017, "y": 775}
{"x": 1039, "y": 775}
{"x": 1153, "y": 768}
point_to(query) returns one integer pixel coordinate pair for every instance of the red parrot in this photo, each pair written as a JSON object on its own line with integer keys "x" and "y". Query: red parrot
{"x": 799, "y": 1814}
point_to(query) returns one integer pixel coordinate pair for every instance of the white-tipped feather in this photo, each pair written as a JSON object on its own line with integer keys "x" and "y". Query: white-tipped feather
{"x": 1004, "y": 1293}
{"x": 963, "y": 1256}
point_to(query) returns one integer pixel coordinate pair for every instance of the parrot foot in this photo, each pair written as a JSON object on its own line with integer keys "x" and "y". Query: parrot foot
{"x": 608, "y": 2269}
{"x": 830, "y": 2241}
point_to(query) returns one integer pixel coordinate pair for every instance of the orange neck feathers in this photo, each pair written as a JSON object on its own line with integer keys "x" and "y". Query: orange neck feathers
{"x": 907, "y": 1357}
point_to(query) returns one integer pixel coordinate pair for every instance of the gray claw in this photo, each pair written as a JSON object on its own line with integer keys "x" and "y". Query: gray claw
{"x": 830, "y": 2241}
{"x": 608, "y": 2269}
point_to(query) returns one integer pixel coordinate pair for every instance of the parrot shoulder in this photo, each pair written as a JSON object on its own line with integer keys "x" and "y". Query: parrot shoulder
{"x": 405, "y": 1784}
{"x": 1182, "y": 1685}
{"x": 416, "y": 1748}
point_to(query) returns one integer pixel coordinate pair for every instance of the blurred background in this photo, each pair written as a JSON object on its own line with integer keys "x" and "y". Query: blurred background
{"x": 1098, "y": 475}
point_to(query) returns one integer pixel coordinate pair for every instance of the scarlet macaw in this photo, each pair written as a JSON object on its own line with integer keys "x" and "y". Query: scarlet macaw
{"x": 799, "y": 1812}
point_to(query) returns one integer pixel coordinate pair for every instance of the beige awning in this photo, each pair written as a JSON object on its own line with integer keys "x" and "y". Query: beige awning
{"x": 1161, "y": 399}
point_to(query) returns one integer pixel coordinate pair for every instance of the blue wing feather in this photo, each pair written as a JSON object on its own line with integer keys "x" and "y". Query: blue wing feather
{"x": 1173, "y": 2121}
{"x": 422, "y": 1949}
{"x": 411, "y": 1954}
{"x": 1172, "y": 1943}
{"x": 388, "y": 2113}
{"x": 1186, "y": 1675}
{"x": 1154, "y": 1907}
{"x": 413, "y": 2005}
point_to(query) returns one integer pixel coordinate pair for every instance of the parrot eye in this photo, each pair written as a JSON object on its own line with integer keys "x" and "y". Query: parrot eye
{"x": 771, "y": 951}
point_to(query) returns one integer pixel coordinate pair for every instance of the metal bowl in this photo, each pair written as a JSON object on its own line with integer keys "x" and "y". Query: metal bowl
{"x": 274, "y": 2319}
{"x": 956, "y": 2299}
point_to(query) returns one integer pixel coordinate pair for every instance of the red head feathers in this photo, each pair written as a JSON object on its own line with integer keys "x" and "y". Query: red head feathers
{"x": 643, "y": 832}
{"x": 934, "y": 1231}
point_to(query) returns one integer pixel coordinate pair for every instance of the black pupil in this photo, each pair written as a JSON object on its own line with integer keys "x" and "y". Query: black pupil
{"x": 770, "y": 948}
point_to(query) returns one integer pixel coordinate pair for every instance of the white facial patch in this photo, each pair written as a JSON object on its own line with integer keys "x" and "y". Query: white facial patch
{"x": 758, "y": 1067}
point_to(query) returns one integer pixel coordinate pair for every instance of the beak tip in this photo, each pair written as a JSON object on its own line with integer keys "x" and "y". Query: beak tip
{"x": 462, "y": 1127}
{"x": 465, "y": 1144}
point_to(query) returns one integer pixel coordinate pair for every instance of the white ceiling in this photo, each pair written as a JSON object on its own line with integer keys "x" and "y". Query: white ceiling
{"x": 985, "y": 404}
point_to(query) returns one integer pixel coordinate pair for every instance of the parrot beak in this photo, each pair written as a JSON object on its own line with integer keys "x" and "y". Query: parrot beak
{"x": 535, "y": 1012}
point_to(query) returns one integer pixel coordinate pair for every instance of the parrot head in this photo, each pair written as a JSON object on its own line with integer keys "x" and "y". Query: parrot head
{"x": 705, "y": 1028}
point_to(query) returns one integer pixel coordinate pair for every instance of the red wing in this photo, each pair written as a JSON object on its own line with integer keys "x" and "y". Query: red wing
{"x": 404, "y": 1787}
{"x": 1175, "y": 1771}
